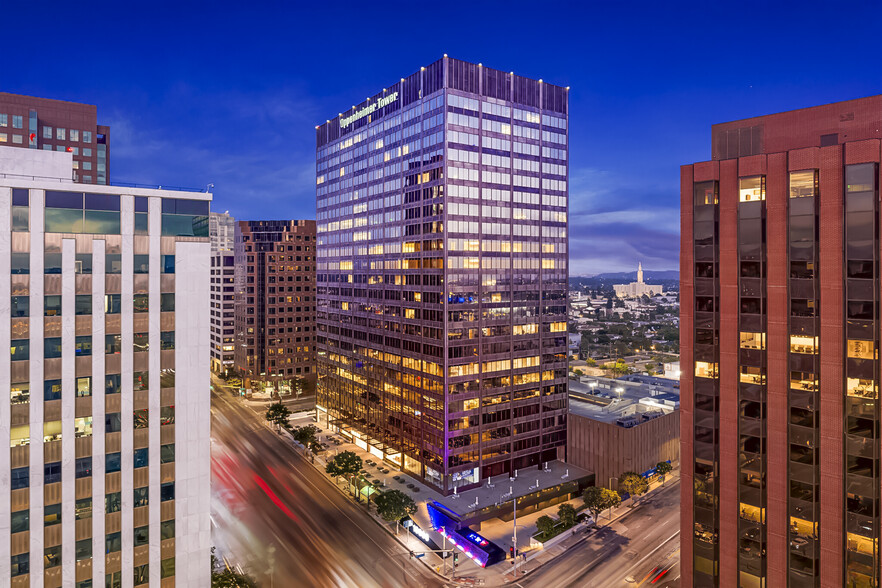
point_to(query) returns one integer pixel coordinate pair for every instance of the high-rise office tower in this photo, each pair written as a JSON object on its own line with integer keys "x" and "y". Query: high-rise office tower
{"x": 57, "y": 125}
{"x": 275, "y": 303}
{"x": 442, "y": 273}
{"x": 109, "y": 349}
{"x": 222, "y": 229}
{"x": 780, "y": 327}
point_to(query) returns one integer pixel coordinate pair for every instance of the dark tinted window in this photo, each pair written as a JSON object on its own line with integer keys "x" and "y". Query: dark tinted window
{"x": 64, "y": 199}
{"x": 20, "y": 478}
{"x": 111, "y": 464}
{"x": 102, "y": 202}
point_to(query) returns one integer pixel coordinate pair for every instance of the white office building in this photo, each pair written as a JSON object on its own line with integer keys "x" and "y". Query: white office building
{"x": 106, "y": 481}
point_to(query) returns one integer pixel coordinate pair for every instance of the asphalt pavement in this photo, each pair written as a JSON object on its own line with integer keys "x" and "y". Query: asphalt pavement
{"x": 636, "y": 549}
{"x": 284, "y": 523}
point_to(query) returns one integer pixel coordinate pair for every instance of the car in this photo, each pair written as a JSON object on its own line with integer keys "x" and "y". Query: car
{"x": 660, "y": 573}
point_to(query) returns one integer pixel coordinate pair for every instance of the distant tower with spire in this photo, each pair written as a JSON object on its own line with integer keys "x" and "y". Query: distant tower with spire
{"x": 639, "y": 288}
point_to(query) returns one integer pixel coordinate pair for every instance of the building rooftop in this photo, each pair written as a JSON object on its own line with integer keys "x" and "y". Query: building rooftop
{"x": 38, "y": 168}
{"x": 626, "y": 401}
{"x": 450, "y": 73}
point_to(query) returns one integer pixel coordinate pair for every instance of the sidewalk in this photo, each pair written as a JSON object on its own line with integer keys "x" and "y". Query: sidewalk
{"x": 496, "y": 530}
{"x": 538, "y": 557}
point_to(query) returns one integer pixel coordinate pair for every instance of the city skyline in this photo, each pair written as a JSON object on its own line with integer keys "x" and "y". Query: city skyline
{"x": 270, "y": 92}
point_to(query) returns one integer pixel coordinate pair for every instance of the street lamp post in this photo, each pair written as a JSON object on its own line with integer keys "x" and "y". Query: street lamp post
{"x": 611, "y": 478}
{"x": 514, "y": 532}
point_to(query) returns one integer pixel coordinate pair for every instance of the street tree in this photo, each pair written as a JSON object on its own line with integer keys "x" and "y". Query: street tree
{"x": 345, "y": 464}
{"x": 567, "y": 514}
{"x": 545, "y": 525}
{"x": 223, "y": 577}
{"x": 633, "y": 483}
{"x": 663, "y": 468}
{"x": 598, "y": 499}
{"x": 231, "y": 579}
{"x": 305, "y": 435}
{"x": 394, "y": 505}
{"x": 278, "y": 414}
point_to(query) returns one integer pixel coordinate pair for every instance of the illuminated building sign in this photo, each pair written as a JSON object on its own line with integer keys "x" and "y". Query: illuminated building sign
{"x": 421, "y": 534}
{"x": 478, "y": 539}
{"x": 369, "y": 109}
{"x": 478, "y": 549}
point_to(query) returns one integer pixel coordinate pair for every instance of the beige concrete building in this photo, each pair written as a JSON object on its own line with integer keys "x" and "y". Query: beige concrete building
{"x": 612, "y": 430}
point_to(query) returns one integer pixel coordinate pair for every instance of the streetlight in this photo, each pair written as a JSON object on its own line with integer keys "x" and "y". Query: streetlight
{"x": 611, "y": 478}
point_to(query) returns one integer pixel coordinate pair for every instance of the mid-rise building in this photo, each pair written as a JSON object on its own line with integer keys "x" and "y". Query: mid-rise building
{"x": 57, "y": 125}
{"x": 108, "y": 348}
{"x": 222, "y": 229}
{"x": 624, "y": 425}
{"x": 780, "y": 334}
{"x": 275, "y": 304}
{"x": 442, "y": 273}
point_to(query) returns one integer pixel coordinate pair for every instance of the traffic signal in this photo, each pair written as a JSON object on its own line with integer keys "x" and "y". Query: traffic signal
{"x": 511, "y": 551}
{"x": 455, "y": 558}
{"x": 411, "y": 555}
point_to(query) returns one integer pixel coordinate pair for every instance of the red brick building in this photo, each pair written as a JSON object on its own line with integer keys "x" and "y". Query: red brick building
{"x": 275, "y": 303}
{"x": 56, "y": 125}
{"x": 780, "y": 330}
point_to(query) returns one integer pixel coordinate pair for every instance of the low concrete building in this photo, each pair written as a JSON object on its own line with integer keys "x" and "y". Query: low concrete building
{"x": 616, "y": 426}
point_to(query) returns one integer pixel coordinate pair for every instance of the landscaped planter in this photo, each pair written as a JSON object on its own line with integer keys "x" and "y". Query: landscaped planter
{"x": 536, "y": 544}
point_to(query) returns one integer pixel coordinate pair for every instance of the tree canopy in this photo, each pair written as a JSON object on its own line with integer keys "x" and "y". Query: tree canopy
{"x": 545, "y": 525}
{"x": 345, "y": 463}
{"x": 598, "y": 499}
{"x": 567, "y": 514}
{"x": 633, "y": 483}
{"x": 393, "y": 505}
{"x": 221, "y": 577}
{"x": 663, "y": 468}
{"x": 306, "y": 436}
{"x": 278, "y": 414}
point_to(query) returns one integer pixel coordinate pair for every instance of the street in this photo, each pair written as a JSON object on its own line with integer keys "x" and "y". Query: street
{"x": 635, "y": 550}
{"x": 284, "y": 523}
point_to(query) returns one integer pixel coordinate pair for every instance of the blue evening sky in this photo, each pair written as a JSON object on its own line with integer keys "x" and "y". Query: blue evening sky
{"x": 230, "y": 92}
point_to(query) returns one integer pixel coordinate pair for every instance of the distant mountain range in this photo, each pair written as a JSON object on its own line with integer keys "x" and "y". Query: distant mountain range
{"x": 628, "y": 277}
{"x": 669, "y": 279}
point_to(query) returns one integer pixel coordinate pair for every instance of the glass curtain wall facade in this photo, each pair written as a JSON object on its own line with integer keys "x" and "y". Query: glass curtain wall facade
{"x": 794, "y": 294}
{"x": 862, "y": 481}
{"x": 752, "y": 382}
{"x": 803, "y": 392}
{"x": 442, "y": 273}
{"x": 706, "y": 424}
